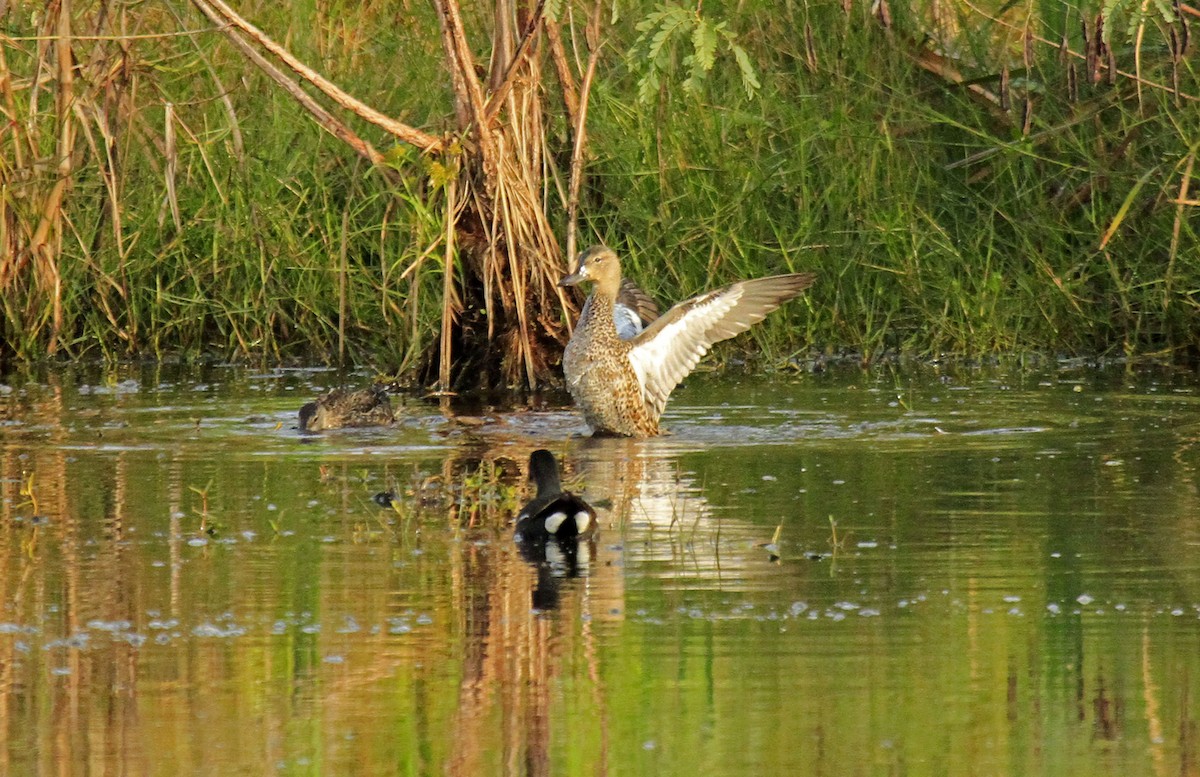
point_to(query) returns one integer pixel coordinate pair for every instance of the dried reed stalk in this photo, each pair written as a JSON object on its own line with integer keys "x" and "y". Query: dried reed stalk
{"x": 172, "y": 157}
{"x": 1093, "y": 49}
{"x": 566, "y": 79}
{"x": 504, "y": 83}
{"x": 576, "y": 181}
{"x": 323, "y": 117}
{"x": 231, "y": 23}
{"x": 343, "y": 281}
{"x": 449, "y": 308}
{"x": 510, "y": 257}
{"x": 1181, "y": 201}
{"x": 460, "y": 59}
{"x": 45, "y": 244}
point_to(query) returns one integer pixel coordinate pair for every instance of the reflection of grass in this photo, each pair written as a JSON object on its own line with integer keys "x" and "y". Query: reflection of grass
{"x": 29, "y": 544}
{"x": 207, "y": 525}
{"x": 377, "y": 527}
{"x": 471, "y": 493}
{"x": 835, "y": 542}
{"x": 482, "y": 495}
{"x": 27, "y": 491}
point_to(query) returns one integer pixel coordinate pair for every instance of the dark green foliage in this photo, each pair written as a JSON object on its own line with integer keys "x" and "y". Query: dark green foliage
{"x": 936, "y": 223}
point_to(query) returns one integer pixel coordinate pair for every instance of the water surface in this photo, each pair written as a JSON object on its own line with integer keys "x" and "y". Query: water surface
{"x": 912, "y": 572}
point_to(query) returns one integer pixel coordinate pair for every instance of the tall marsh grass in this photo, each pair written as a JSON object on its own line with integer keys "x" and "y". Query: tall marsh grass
{"x": 987, "y": 181}
{"x": 943, "y": 217}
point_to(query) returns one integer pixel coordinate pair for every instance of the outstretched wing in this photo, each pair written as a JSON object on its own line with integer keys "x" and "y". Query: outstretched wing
{"x": 669, "y": 349}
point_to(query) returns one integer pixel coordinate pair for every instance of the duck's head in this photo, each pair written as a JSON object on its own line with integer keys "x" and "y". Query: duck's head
{"x": 598, "y": 264}
{"x": 309, "y": 421}
{"x": 543, "y": 472}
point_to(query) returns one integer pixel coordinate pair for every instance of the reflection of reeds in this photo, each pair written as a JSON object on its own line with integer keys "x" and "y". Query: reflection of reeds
{"x": 40, "y": 554}
{"x": 486, "y": 684}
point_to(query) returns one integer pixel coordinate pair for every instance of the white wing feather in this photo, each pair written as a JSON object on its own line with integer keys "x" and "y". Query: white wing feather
{"x": 665, "y": 352}
{"x": 665, "y": 359}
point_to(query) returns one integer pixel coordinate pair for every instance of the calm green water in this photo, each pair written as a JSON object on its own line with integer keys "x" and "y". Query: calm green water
{"x": 973, "y": 573}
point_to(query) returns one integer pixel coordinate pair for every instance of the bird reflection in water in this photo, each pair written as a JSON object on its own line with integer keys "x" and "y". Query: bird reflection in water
{"x": 556, "y": 561}
{"x": 553, "y": 531}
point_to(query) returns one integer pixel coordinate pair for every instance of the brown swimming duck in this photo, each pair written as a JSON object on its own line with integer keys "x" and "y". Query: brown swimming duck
{"x": 622, "y": 385}
{"x": 343, "y": 408}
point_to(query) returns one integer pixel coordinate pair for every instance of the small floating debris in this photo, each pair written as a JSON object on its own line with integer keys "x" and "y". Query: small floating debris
{"x": 74, "y": 642}
{"x": 772, "y": 547}
{"x": 213, "y": 630}
{"x": 386, "y": 499}
{"x": 110, "y": 626}
{"x": 472, "y": 421}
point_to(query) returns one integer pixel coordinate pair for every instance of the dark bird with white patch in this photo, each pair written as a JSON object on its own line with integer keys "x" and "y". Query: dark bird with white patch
{"x": 553, "y": 513}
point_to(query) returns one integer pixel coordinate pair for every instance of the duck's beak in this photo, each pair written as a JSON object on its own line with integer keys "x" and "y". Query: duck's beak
{"x": 573, "y": 279}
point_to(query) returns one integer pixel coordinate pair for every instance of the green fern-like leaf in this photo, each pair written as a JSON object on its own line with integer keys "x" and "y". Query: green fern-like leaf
{"x": 675, "y": 21}
{"x": 696, "y": 74}
{"x": 649, "y": 23}
{"x": 648, "y": 85}
{"x": 660, "y": 37}
{"x": 1166, "y": 10}
{"x": 704, "y": 45}
{"x": 1110, "y": 9}
{"x": 1124, "y": 17}
{"x": 749, "y": 77}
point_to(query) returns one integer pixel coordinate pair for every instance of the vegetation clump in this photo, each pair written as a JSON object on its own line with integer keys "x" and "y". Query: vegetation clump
{"x": 964, "y": 177}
